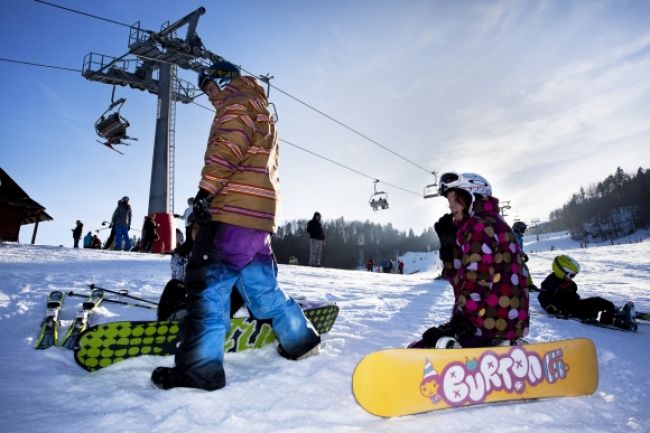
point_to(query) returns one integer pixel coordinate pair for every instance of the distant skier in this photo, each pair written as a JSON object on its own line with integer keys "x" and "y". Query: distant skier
{"x": 559, "y": 296}
{"x": 316, "y": 239}
{"x": 121, "y": 221}
{"x": 187, "y": 218}
{"x": 149, "y": 233}
{"x": 483, "y": 264}
{"x": 519, "y": 228}
{"x": 95, "y": 242}
{"x": 111, "y": 237}
{"x": 76, "y": 233}
{"x": 88, "y": 240}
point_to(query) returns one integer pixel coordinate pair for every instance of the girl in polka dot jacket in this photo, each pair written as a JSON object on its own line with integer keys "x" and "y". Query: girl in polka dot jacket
{"x": 483, "y": 262}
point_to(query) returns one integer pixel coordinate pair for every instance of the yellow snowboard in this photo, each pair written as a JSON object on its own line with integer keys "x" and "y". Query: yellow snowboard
{"x": 395, "y": 382}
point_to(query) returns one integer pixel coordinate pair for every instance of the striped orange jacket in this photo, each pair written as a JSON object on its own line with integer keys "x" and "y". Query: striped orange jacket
{"x": 241, "y": 160}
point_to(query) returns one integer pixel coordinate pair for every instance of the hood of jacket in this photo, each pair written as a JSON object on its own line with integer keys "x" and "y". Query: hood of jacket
{"x": 240, "y": 88}
{"x": 486, "y": 206}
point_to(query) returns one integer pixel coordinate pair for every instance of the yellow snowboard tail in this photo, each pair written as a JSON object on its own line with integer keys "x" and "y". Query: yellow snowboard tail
{"x": 397, "y": 382}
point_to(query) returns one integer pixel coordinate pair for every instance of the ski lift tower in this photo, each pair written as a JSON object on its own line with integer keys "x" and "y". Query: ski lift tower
{"x": 151, "y": 64}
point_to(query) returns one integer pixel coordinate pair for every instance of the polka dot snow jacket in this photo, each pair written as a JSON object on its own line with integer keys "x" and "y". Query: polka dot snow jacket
{"x": 488, "y": 276}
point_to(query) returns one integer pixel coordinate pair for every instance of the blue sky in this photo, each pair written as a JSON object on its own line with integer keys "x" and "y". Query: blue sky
{"x": 540, "y": 97}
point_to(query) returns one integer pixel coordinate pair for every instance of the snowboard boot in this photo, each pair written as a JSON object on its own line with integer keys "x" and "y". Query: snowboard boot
{"x": 626, "y": 317}
{"x": 314, "y": 350}
{"x": 170, "y": 377}
{"x": 447, "y": 343}
{"x": 507, "y": 343}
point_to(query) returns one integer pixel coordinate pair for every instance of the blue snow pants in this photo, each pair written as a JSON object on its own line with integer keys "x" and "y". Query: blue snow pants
{"x": 223, "y": 257}
{"x": 122, "y": 234}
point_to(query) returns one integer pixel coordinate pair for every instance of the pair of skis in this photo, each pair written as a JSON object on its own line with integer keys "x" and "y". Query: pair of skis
{"x": 48, "y": 335}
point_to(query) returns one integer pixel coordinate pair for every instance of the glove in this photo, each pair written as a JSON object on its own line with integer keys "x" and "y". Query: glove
{"x": 446, "y": 231}
{"x": 201, "y": 207}
{"x": 524, "y": 257}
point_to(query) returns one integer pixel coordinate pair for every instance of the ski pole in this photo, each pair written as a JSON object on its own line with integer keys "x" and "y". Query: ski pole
{"x": 124, "y": 293}
{"x": 112, "y": 301}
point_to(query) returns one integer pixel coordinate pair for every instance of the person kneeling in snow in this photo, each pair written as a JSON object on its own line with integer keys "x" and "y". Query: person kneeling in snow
{"x": 559, "y": 296}
{"x": 236, "y": 208}
{"x": 483, "y": 263}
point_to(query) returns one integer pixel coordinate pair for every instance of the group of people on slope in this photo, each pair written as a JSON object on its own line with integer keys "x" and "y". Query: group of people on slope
{"x": 120, "y": 226}
{"x": 235, "y": 214}
{"x": 89, "y": 241}
{"x": 386, "y": 265}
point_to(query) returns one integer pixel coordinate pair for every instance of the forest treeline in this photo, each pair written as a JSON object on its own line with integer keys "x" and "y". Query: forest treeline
{"x": 349, "y": 244}
{"x": 614, "y": 207}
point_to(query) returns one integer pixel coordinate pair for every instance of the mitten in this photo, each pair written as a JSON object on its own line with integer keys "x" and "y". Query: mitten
{"x": 446, "y": 231}
{"x": 201, "y": 207}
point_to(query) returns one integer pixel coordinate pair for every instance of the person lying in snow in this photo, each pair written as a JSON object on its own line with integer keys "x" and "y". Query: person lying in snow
{"x": 559, "y": 296}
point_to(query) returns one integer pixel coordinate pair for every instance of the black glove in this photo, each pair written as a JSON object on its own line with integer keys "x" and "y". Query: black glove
{"x": 446, "y": 231}
{"x": 201, "y": 207}
{"x": 524, "y": 257}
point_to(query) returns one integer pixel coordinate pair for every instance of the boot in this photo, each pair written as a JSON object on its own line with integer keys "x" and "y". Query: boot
{"x": 626, "y": 317}
{"x": 507, "y": 343}
{"x": 170, "y": 377}
{"x": 312, "y": 351}
{"x": 447, "y": 343}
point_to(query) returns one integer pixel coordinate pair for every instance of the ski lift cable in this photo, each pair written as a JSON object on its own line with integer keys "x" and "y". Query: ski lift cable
{"x": 90, "y": 15}
{"x": 349, "y": 168}
{"x": 331, "y": 160}
{"x": 212, "y": 110}
{"x": 3, "y": 59}
{"x": 266, "y": 80}
{"x": 344, "y": 125}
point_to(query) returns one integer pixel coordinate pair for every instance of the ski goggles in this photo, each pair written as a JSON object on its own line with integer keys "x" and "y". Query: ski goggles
{"x": 220, "y": 77}
{"x": 221, "y": 83}
{"x": 448, "y": 181}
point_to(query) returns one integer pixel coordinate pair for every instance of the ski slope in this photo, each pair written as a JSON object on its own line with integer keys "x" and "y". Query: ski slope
{"x": 45, "y": 391}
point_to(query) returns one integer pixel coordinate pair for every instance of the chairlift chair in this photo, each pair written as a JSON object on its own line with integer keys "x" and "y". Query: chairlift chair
{"x": 112, "y": 126}
{"x": 431, "y": 190}
{"x": 379, "y": 199}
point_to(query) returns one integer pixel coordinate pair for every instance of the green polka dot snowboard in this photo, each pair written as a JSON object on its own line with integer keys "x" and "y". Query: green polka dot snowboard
{"x": 108, "y": 343}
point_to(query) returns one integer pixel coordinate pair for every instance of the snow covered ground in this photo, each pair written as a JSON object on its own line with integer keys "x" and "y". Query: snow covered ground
{"x": 45, "y": 391}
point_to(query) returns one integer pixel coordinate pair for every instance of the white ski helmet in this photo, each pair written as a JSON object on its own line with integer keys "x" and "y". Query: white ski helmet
{"x": 472, "y": 183}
